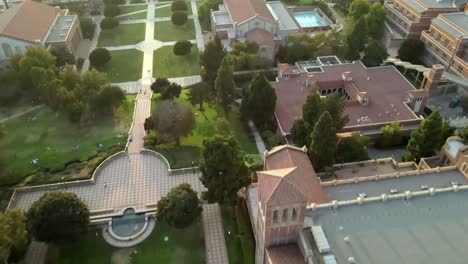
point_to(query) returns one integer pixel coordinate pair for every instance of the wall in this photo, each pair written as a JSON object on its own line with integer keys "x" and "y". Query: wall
{"x": 249, "y": 25}
{"x": 15, "y": 46}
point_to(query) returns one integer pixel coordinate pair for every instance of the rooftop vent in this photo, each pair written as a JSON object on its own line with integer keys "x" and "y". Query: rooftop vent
{"x": 347, "y": 76}
{"x": 351, "y": 260}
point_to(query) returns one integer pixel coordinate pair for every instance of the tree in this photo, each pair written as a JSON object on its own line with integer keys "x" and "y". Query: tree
{"x": 312, "y": 109}
{"x": 109, "y": 23}
{"x": 179, "y": 5}
{"x": 335, "y": 105}
{"x": 259, "y": 101}
{"x": 179, "y": 18}
{"x": 375, "y": 20}
{"x": 182, "y": 47}
{"x": 300, "y": 133}
{"x": 323, "y": 143}
{"x": 358, "y": 38}
{"x": 447, "y": 131}
{"x": 109, "y": 98}
{"x": 224, "y": 86}
{"x": 180, "y": 207}
{"x": 87, "y": 27}
{"x": 111, "y": 10}
{"x": 99, "y": 57}
{"x": 353, "y": 149}
{"x": 36, "y": 56}
{"x": 392, "y": 135}
{"x": 411, "y": 50}
{"x": 58, "y": 216}
{"x": 173, "y": 120}
{"x": 149, "y": 124}
{"x": 463, "y": 134}
{"x": 168, "y": 90}
{"x": 223, "y": 169}
{"x": 62, "y": 56}
{"x": 426, "y": 139}
{"x": 198, "y": 94}
{"x": 359, "y": 8}
{"x": 13, "y": 236}
{"x": 374, "y": 54}
{"x": 210, "y": 60}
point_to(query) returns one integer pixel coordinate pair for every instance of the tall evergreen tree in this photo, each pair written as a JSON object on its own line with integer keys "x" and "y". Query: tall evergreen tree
{"x": 223, "y": 170}
{"x": 374, "y": 53}
{"x": 358, "y": 37}
{"x": 323, "y": 143}
{"x": 259, "y": 101}
{"x": 211, "y": 59}
{"x": 312, "y": 108}
{"x": 300, "y": 133}
{"x": 425, "y": 140}
{"x": 335, "y": 105}
{"x": 359, "y": 8}
{"x": 224, "y": 86}
{"x": 375, "y": 20}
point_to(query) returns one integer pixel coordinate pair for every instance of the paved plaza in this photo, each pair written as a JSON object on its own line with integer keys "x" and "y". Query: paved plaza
{"x": 216, "y": 252}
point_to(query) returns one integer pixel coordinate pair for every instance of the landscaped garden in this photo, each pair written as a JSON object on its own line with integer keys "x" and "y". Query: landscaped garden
{"x": 124, "y": 34}
{"x": 124, "y": 66}
{"x": 165, "y": 11}
{"x": 39, "y": 144}
{"x": 166, "y": 31}
{"x": 182, "y": 246}
{"x": 166, "y": 64}
{"x": 238, "y": 234}
{"x": 207, "y": 124}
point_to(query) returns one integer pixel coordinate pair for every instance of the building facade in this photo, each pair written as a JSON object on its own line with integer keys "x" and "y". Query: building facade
{"x": 408, "y": 18}
{"x": 31, "y": 23}
{"x": 446, "y": 42}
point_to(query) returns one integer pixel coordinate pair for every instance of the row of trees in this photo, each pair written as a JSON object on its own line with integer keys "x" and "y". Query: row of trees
{"x": 80, "y": 97}
{"x": 179, "y": 10}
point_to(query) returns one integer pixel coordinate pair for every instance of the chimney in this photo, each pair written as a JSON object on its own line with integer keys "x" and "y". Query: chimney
{"x": 347, "y": 76}
{"x": 433, "y": 78}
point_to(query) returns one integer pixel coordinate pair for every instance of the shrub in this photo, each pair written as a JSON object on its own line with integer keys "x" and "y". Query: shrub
{"x": 111, "y": 11}
{"x": 182, "y": 47}
{"x": 179, "y": 18}
{"x": 392, "y": 135}
{"x": 87, "y": 27}
{"x": 99, "y": 57}
{"x": 109, "y": 23}
{"x": 179, "y": 5}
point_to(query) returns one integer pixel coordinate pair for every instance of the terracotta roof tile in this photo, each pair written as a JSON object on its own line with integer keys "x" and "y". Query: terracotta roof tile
{"x": 29, "y": 21}
{"x": 242, "y": 10}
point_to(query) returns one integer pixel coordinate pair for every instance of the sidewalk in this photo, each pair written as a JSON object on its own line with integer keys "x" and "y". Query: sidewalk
{"x": 94, "y": 42}
{"x": 199, "y": 33}
{"x": 21, "y": 113}
{"x": 215, "y": 245}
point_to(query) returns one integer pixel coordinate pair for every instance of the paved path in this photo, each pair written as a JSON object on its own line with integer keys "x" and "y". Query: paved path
{"x": 258, "y": 139}
{"x": 215, "y": 245}
{"x": 186, "y": 80}
{"x": 94, "y": 42}
{"x": 148, "y": 48}
{"x": 199, "y": 33}
{"x": 34, "y": 108}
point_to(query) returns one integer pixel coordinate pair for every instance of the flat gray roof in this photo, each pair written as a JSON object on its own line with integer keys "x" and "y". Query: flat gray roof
{"x": 416, "y": 6}
{"x": 222, "y": 18}
{"x": 426, "y": 229}
{"x": 345, "y": 192}
{"x": 279, "y": 12}
{"x": 443, "y": 3}
{"x": 61, "y": 28}
{"x": 457, "y": 26}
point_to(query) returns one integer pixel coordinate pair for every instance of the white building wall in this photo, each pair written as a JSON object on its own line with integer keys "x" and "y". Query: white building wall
{"x": 249, "y": 25}
{"x": 16, "y": 46}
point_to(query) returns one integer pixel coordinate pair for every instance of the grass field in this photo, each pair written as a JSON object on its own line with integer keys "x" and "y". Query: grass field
{"x": 128, "y": 34}
{"x": 206, "y": 125}
{"x": 125, "y": 65}
{"x": 142, "y": 15}
{"x": 183, "y": 246}
{"x": 56, "y": 142}
{"x": 166, "y": 64}
{"x": 133, "y": 8}
{"x": 166, "y": 11}
{"x": 166, "y": 31}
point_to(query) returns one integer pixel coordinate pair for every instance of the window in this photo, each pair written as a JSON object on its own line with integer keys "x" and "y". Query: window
{"x": 285, "y": 215}
{"x": 294, "y": 215}
{"x": 275, "y": 216}
{"x": 7, "y": 49}
{"x": 460, "y": 68}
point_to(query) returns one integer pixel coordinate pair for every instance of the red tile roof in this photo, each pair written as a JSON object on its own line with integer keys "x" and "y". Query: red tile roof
{"x": 289, "y": 176}
{"x": 386, "y": 89}
{"x": 29, "y": 21}
{"x": 242, "y": 10}
{"x": 287, "y": 254}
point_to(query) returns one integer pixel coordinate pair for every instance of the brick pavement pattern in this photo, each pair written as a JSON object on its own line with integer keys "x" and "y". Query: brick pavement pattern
{"x": 215, "y": 246}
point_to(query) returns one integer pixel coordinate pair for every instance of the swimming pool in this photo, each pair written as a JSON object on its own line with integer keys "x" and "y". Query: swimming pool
{"x": 309, "y": 19}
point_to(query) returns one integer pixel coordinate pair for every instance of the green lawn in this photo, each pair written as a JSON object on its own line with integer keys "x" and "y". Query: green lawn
{"x": 184, "y": 246}
{"x": 238, "y": 234}
{"x": 166, "y": 31}
{"x": 166, "y": 64}
{"x": 57, "y": 143}
{"x": 166, "y": 11}
{"x": 133, "y": 8}
{"x": 124, "y": 66}
{"x": 205, "y": 126}
{"x": 128, "y": 34}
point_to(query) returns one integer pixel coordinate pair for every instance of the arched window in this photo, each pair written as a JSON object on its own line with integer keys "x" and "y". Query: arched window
{"x": 7, "y": 49}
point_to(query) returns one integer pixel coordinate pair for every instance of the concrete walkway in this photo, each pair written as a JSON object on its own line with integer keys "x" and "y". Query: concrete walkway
{"x": 258, "y": 139}
{"x": 215, "y": 245}
{"x": 148, "y": 48}
{"x": 198, "y": 31}
{"x": 94, "y": 42}
{"x": 34, "y": 108}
